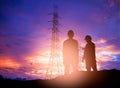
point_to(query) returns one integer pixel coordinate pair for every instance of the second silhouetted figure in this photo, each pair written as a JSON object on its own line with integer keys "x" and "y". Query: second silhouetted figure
{"x": 89, "y": 54}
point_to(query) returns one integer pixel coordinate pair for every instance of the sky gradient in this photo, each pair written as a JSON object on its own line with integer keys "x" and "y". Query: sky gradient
{"x": 25, "y": 33}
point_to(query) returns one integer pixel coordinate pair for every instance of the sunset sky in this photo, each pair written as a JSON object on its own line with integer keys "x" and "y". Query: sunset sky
{"x": 25, "y": 33}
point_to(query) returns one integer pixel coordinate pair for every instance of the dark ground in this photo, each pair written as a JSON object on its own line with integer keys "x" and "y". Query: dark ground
{"x": 100, "y": 79}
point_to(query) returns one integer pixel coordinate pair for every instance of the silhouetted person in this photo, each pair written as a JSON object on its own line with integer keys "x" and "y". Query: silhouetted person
{"x": 70, "y": 53}
{"x": 89, "y": 54}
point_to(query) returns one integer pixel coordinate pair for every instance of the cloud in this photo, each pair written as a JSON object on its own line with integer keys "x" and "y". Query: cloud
{"x": 115, "y": 42}
{"x": 109, "y": 65}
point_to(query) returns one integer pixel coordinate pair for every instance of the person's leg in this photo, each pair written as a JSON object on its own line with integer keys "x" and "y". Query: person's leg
{"x": 66, "y": 69}
{"x": 75, "y": 67}
{"x": 88, "y": 66}
{"x": 94, "y": 66}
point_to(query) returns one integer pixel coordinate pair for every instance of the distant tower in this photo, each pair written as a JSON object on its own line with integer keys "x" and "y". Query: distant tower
{"x": 54, "y": 65}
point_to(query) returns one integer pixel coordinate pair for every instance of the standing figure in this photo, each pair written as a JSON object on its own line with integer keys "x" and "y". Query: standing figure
{"x": 70, "y": 53}
{"x": 89, "y": 54}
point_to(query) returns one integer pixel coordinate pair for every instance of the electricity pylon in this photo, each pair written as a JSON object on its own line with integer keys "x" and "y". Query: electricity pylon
{"x": 54, "y": 64}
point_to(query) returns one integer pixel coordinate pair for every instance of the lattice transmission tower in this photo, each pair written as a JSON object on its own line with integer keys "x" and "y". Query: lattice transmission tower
{"x": 54, "y": 64}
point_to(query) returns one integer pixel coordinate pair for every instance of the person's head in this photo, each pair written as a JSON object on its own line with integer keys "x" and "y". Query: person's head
{"x": 88, "y": 38}
{"x": 70, "y": 33}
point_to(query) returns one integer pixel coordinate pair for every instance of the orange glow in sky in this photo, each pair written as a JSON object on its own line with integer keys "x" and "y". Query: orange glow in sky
{"x": 9, "y": 63}
{"x": 40, "y": 62}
